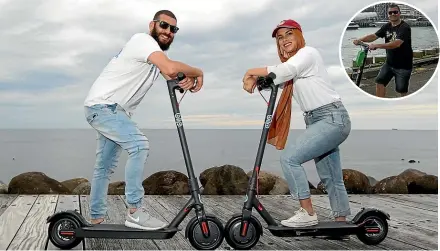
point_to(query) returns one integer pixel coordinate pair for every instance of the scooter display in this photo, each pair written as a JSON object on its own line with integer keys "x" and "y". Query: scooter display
{"x": 360, "y": 60}
{"x": 68, "y": 228}
{"x": 243, "y": 230}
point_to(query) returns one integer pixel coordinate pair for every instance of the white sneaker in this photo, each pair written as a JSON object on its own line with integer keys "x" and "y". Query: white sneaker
{"x": 301, "y": 218}
{"x": 141, "y": 219}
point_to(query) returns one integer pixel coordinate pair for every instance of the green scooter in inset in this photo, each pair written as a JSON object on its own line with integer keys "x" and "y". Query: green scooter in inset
{"x": 361, "y": 58}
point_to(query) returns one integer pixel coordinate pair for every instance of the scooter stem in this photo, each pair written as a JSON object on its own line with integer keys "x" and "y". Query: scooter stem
{"x": 264, "y": 133}
{"x": 172, "y": 87}
{"x": 193, "y": 182}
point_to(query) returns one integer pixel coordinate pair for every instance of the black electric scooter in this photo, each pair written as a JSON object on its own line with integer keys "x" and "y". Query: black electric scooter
{"x": 243, "y": 230}
{"x": 68, "y": 228}
{"x": 365, "y": 49}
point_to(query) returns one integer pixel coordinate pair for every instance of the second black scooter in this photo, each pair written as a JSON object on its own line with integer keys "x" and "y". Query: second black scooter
{"x": 68, "y": 228}
{"x": 243, "y": 230}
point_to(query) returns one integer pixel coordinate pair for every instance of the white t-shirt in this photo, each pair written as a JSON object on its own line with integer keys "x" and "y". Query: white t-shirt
{"x": 312, "y": 87}
{"x": 128, "y": 76}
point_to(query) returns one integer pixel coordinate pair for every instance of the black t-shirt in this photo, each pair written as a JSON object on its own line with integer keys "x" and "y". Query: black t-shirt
{"x": 401, "y": 57}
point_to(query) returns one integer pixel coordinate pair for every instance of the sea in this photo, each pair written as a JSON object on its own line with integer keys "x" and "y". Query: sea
{"x": 421, "y": 38}
{"x": 70, "y": 153}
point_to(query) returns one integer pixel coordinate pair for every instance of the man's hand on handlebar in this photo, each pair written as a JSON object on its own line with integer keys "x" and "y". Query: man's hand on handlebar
{"x": 187, "y": 83}
{"x": 190, "y": 84}
{"x": 372, "y": 47}
{"x": 357, "y": 42}
{"x": 198, "y": 85}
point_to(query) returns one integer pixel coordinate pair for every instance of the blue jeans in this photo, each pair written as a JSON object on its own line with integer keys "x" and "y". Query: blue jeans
{"x": 326, "y": 128}
{"x": 116, "y": 131}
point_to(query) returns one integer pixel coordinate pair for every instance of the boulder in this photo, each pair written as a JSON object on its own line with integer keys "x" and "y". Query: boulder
{"x": 355, "y": 182}
{"x": 266, "y": 181}
{"x": 408, "y": 182}
{"x": 426, "y": 184}
{"x": 35, "y": 183}
{"x": 116, "y": 188}
{"x": 316, "y": 191}
{"x": 411, "y": 174}
{"x": 269, "y": 183}
{"x": 166, "y": 183}
{"x": 83, "y": 188}
{"x": 280, "y": 187}
{"x": 3, "y": 188}
{"x": 321, "y": 188}
{"x": 392, "y": 185}
{"x": 73, "y": 183}
{"x": 224, "y": 180}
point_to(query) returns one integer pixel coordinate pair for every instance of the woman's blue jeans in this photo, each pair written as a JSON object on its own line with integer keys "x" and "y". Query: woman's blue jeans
{"x": 326, "y": 128}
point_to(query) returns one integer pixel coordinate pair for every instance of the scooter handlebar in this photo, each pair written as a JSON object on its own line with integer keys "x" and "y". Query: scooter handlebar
{"x": 180, "y": 76}
{"x": 363, "y": 44}
{"x": 266, "y": 82}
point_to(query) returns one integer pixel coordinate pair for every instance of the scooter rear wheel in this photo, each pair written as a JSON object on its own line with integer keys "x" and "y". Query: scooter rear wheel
{"x": 235, "y": 240}
{"x": 64, "y": 224}
{"x": 369, "y": 235}
{"x": 199, "y": 241}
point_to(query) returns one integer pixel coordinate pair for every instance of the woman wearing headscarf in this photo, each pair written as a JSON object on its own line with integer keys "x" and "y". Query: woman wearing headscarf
{"x": 302, "y": 74}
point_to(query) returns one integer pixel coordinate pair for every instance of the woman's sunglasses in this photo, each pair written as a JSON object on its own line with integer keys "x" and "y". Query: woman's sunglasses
{"x": 165, "y": 25}
{"x": 395, "y": 12}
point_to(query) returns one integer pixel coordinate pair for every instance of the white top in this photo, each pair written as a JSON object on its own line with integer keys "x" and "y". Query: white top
{"x": 128, "y": 76}
{"x": 312, "y": 87}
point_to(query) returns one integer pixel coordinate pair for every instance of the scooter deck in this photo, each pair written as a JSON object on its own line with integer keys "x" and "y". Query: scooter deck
{"x": 120, "y": 231}
{"x": 322, "y": 228}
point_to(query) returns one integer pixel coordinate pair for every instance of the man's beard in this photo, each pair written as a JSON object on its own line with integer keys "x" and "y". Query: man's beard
{"x": 163, "y": 46}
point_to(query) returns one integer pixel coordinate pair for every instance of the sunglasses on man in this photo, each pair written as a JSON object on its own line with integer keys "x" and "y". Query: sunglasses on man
{"x": 395, "y": 12}
{"x": 164, "y": 25}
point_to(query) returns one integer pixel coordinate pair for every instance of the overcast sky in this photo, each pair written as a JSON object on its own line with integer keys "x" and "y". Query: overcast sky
{"x": 52, "y": 51}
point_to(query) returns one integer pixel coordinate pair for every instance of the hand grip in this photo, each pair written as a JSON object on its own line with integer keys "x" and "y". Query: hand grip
{"x": 364, "y": 45}
{"x": 265, "y": 82}
{"x": 180, "y": 76}
{"x": 271, "y": 76}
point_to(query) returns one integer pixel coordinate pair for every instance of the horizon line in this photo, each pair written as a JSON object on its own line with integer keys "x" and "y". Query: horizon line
{"x": 174, "y": 129}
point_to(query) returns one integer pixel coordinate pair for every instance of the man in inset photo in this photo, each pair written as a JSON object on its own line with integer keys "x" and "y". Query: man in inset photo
{"x": 399, "y": 52}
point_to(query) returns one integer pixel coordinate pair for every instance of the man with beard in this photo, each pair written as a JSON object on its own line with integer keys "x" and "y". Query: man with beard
{"x": 110, "y": 104}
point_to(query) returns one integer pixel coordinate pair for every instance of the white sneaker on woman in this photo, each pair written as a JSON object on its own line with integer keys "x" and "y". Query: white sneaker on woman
{"x": 301, "y": 218}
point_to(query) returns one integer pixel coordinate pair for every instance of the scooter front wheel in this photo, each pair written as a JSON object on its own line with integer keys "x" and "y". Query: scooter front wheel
{"x": 234, "y": 238}
{"x": 61, "y": 233}
{"x": 198, "y": 240}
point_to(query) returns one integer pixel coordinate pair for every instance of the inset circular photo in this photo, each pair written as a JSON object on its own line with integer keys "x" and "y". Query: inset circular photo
{"x": 390, "y": 50}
